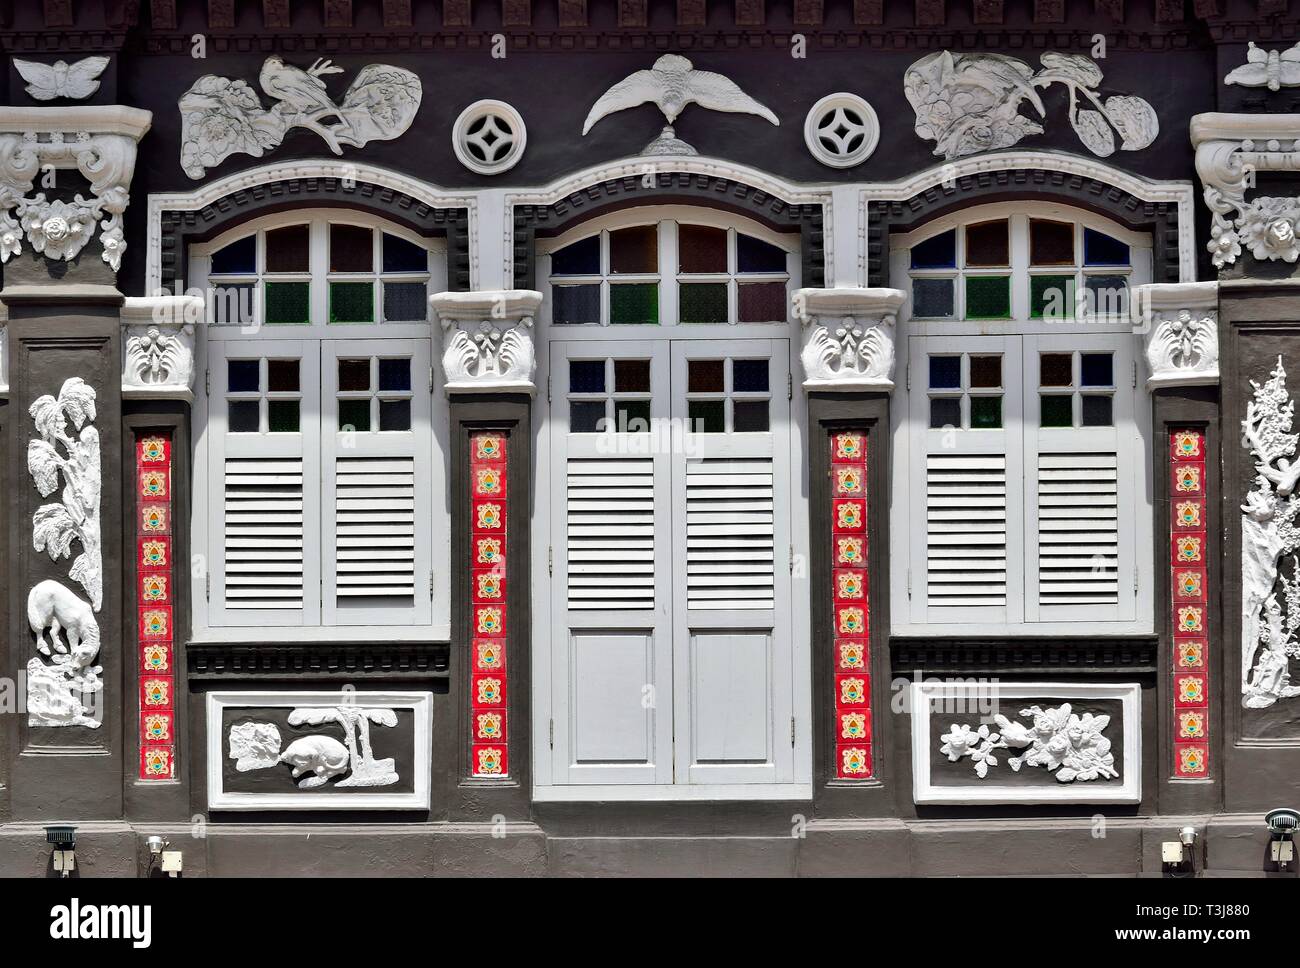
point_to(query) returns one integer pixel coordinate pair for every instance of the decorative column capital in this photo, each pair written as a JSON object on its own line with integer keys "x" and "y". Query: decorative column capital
{"x": 487, "y": 339}
{"x": 1230, "y": 150}
{"x": 99, "y": 141}
{"x": 158, "y": 346}
{"x": 1182, "y": 341}
{"x": 848, "y": 341}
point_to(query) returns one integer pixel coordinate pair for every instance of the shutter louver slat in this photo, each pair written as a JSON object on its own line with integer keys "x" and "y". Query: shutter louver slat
{"x": 374, "y": 507}
{"x": 610, "y": 534}
{"x": 1078, "y": 529}
{"x": 730, "y": 536}
{"x": 264, "y": 533}
{"x": 966, "y": 531}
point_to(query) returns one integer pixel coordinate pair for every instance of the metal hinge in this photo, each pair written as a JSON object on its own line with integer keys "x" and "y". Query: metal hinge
{"x": 907, "y": 376}
{"x": 548, "y": 388}
{"x": 550, "y": 561}
{"x": 789, "y": 386}
{"x": 792, "y": 559}
{"x": 791, "y": 730}
{"x": 909, "y": 583}
{"x": 431, "y": 583}
{"x": 430, "y": 377}
{"x": 207, "y": 381}
{"x": 550, "y": 731}
{"x": 207, "y": 585}
{"x": 1135, "y": 577}
{"x": 1135, "y": 372}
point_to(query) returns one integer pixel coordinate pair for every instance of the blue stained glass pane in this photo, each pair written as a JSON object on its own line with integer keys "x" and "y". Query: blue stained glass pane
{"x": 1100, "y": 249}
{"x": 586, "y": 376}
{"x": 238, "y": 258}
{"x": 939, "y": 252}
{"x": 403, "y": 256}
{"x": 243, "y": 376}
{"x": 945, "y": 372}
{"x": 582, "y": 258}
{"x": 755, "y": 255}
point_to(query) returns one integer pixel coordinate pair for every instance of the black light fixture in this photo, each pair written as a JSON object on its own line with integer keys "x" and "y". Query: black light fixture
{"x": 64, "y": 839}
{"x": 1282, "y": 824}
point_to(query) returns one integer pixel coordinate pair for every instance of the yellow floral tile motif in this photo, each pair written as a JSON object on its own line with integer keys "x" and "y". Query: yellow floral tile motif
{"x": 1189, "y": 549}
{"x": 853, "y": 760}
{"x": 1188, "y": 513}
{"x": 487, "y": 726}
{"x": 848, "y": 551}
{"x": 1191, "y": 759}
{"x": 853, "y": 726}
{"x": 154, "y": 658}
{"x": 156, "y": 692}
{"x": 489, "y": 621}
{"x": 153, "y": 588}
{"x": 158, "y": 728}
{"x": 154, "y": 622}
{"x": 153, "y": 518}
{"x": 153, "y": 484}
{"x": 1187, "y": 444}
{"x": 487, "y": 480}
{"x": 1187, "y": 478}
{"x": 1189, "y": 619}
{"x": 489, "y": 691}
{"x": 849, "y": 585}
{"x": 849, "y": 515}
{"x": 153, "y": 554}
{"x": 848, "y": 481}
{"x": 1191, "y": 690}
{"x": 488, "y": 551}
{"x": 1189, "y": 583}
{"x": 489, "y": 655}
{"x": 157, "y": 762}
{"x": 489, "y": 515}
{"x": 852, "y": 689}
{"x": 852, "y": 621}
{"x": 851, "y": 656}
{"x": 1191, "y": 725}
{"x": 153, "y": 450}
{"x": 489, "y": 585}
{"x": 848, "y": 446}
{"x": 487, "y": 447}
{"x": 488, "y": 762}
{"x": 1191, "y": 655}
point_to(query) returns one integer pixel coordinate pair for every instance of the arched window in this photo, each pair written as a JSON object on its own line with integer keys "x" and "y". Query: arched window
{"x": 1021, "y": 469}
{"x": 667, "y": 266}
{"x": 315, "y": 447}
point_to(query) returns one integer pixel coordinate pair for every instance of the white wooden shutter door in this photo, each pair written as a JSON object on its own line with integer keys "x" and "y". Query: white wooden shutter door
{"x": 966, "y": 566}
{"x": 732, "y": 653}
{"x": 1080, "y": 498}
{"x": 611, "y": 533}
{"x": 377, "y": 518}
{"x": 264, "y": 534}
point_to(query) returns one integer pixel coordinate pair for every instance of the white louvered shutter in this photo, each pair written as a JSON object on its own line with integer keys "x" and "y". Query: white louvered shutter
{"x": 1080, "y": 497}
{"x": 610, "y": 530}
{"x": 730, "y": 549}
{"x": 377, "y": 520}
{"x": 264, "y": 514}
{"x": 966, "y": 531}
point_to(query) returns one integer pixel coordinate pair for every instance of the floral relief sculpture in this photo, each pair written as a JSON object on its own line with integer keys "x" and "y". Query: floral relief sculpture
{"x": 1069, "y": 746}
{"x": 221, "y": 117}
{"x": 968, "y": 103}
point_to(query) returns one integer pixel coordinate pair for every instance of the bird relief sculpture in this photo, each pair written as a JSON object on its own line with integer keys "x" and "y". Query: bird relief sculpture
{"x": 1270, "y": 600}
{"x": 221, "y": 116}
{"x": 968, "y": 103}
{"x": 672, "y": 84}
{"x": 1067, "y": 745}
{"x": 317, "y": 759}
{"x": 64, "y": 674}
{"x": 45, "y": 82}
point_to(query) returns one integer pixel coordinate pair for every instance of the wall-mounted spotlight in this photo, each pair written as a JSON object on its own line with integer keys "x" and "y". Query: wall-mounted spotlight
{"x": 64, "y": 839}
{"x": 172, "y": 860}
{"x": 1177, "y": 855}
{"x": 1282, "y": 824}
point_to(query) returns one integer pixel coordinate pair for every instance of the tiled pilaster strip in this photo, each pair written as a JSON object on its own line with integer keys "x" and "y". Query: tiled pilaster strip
{"x": 1189, "y": 587}
{"x": 851, "y": 608}
{"x": 155, "y": 595}
{"x": 489, "y": 509}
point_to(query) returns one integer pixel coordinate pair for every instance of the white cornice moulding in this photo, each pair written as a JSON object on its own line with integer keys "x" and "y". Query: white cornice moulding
{"x": 849, "y": 337}
{"x": 158, "y": 335}
{"x": 100, "y": 142}
{"x": 1230, "y": 150}
{"x": 1182, "y": 338}
{"x": 488, "y": 340}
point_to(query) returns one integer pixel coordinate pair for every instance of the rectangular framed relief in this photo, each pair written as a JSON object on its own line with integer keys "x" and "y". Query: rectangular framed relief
{"x": 1026, "y": 742}
{"x": 334, "y": 750}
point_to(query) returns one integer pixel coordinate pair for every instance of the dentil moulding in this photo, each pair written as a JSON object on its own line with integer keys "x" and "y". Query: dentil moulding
{"x": 848, "y": 341}
{"x": 100, "y": 142}
{"x": 488, "y": 339}
{"x": 1182, "y": 338}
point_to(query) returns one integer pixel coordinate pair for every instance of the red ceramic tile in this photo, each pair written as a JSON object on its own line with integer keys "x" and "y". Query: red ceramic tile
{"x": 153, "y": 553}
{"x": 154, "y": 483}
{"x": 1188, "y": 549}
{"x": 488, "y": 585}
{"x": 488, "y": 725}
{"x": 488, "y": 550}
{"x": 850, "y": 619}
{"x": 1189, "y": 619}
{"x": 1189, "y": 514}
{"x": 155, "y": 589}
{"x": 487, "y": 449}
{"x": 488, "y": 480}
{"x": 850, "y": 585}
{"x": 156, "y": 692}
{"x": 489, "y": 620}
{"x": 848, "y": 447}
{"x": 852, "y": 690}
{"x": 851, "y": 655}
{"x": 1192, "y": 725}
{"x": 853, "y": 761}
{"x": 1190, "y": 689}
{"x": 153, "y": 450}
{"x": 1186, "y": 480}
{"x": 157, "y": 763}
{"x": 1186, "y": 445}
{"x": 848, "y": 480}
{"x": 488, "y": 516}
{"x": 852, "y": 726}
{"x": 489, "y": 759}
{"x": 487, "y": 689}
{"x": 156, "y": 623}
{"x": 155, "y": 659}
{"x": 1189, "y": 584}
{"x": 849, "y": 550}
{"x": 849, "y": 516}
{"x": 157, "y": 726}
{"x": 155, "y": 518}
{"x": 1189, "y": 652}
{"x": 1191, "y": 760}
{"x": 489, "y": 655}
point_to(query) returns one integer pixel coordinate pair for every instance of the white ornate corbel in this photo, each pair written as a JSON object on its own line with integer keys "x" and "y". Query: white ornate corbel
{"x": 158, "y": 345}
{"x": 848, "y": 341}
{"x": 100, "y": 142}
{"x": 1182, "y": 338}
{"x": 488, "y": 339}
{"x": 1230, "y": 150}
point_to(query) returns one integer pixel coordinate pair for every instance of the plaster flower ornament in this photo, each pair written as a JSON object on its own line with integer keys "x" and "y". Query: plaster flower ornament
{"x": 1070, "y": 747}
{"x": 969, "y": 103}
{"x": 1224, "y": 245}
{"x": 960, "y": 740}
{"x": 1268, "y": 228}
{"x": 59, "y": 230}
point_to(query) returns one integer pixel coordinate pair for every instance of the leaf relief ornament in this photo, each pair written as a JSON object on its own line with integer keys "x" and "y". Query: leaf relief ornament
{"x": 1069, "y": 746}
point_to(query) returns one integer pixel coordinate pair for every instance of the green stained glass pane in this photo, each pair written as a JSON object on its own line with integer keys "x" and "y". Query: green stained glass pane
{"x": 288, "y": 302}
{"x": 352, "y": 302}
{"x": 986, "y": 413}
{"x": 1051, "y": 297}
{"x": 354, "y": 415}
{"x": 988, "y": 297}
{"x": 1057, "y": 411}
{"x": 282, "y": 416}
{"x": 704, "y": 302}
{"x": 707, "y": 416}
{"x": 634, "y": 303}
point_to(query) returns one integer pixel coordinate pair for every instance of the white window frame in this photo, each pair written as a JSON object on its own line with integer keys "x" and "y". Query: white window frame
{"x": 1019, "y": 340}
{"x": 429, "y": 425}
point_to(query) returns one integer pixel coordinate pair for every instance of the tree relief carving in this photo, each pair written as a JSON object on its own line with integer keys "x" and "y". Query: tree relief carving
{"x": 318, "y": 759}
